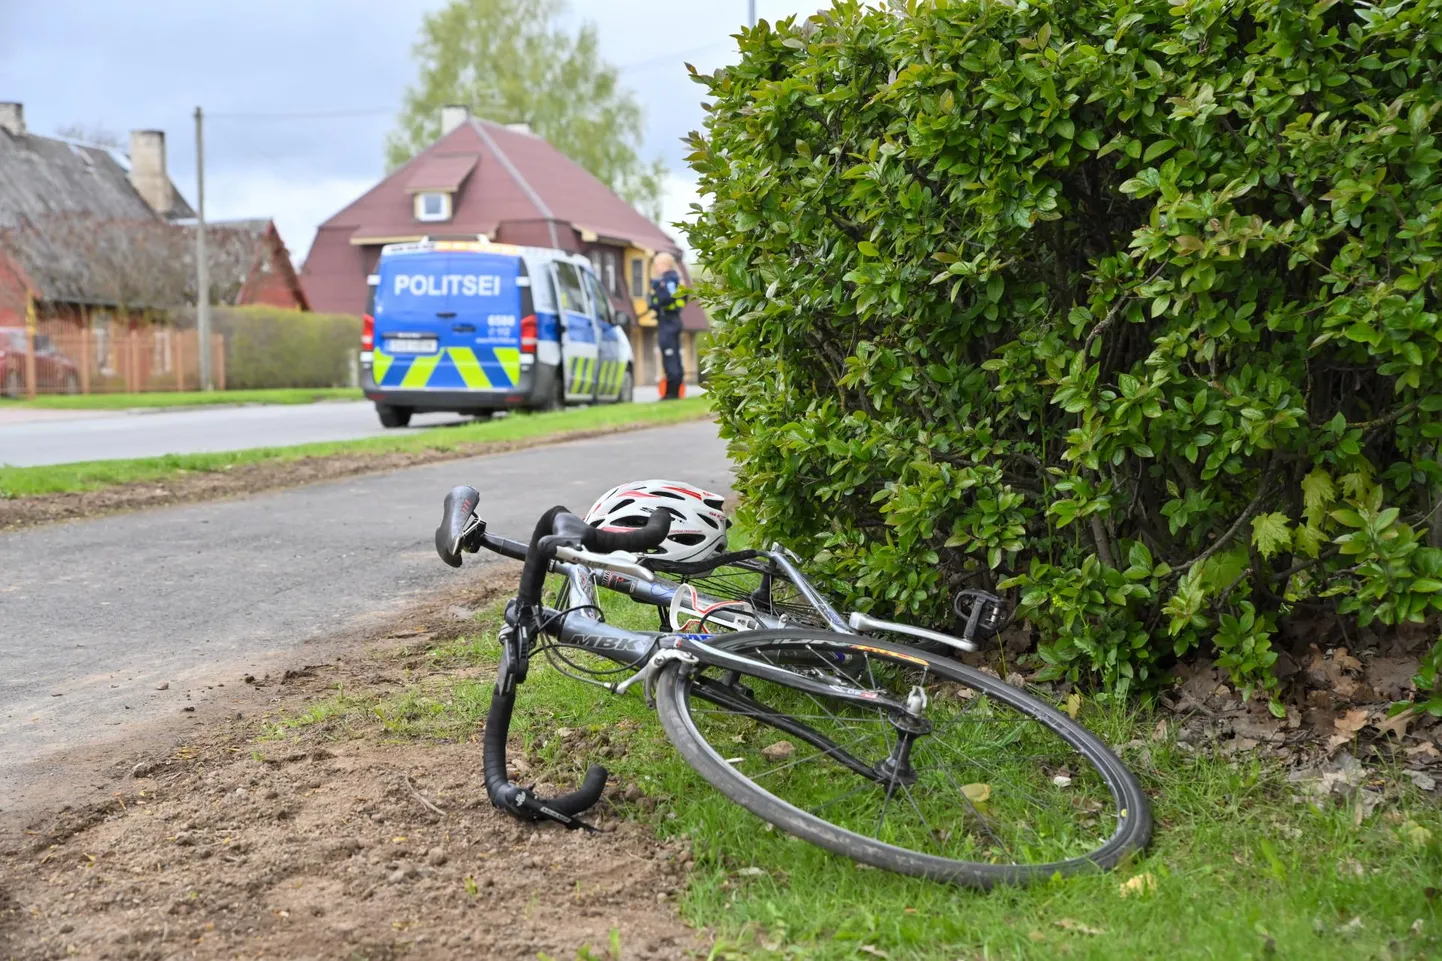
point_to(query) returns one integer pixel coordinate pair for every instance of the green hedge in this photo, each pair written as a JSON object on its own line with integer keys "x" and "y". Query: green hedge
{"x": 270, "y": 347}
{"x": 1127, "y": 308}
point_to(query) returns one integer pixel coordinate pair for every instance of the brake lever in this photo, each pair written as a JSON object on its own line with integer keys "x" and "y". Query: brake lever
{"x": 620, "y": 562}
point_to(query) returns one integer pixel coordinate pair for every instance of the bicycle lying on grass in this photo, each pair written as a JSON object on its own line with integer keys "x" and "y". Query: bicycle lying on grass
{"x": 890, "y": 754}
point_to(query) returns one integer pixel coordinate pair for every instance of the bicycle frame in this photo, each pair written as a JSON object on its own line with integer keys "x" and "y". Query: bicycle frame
{"x": 581, "y": 581}
{"x": 647, "y": 651}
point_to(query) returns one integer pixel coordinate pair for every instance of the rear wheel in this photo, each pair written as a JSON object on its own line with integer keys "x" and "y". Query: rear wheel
{"x": 557, "y": 400}
{"x": 13, "y": 385}
{"x": 978, "y": 783}
{"x": 628, "y": 389}
{"x": 393, "y": 416}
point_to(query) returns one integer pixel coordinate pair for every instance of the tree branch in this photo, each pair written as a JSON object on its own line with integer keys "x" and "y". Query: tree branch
{"x": 1099, "y": 534}
{"x": 1116, "y": 310}
{"x": 1252, "y": 508}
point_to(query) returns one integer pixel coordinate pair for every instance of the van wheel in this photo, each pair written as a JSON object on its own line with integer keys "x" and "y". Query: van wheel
{"x": 481, "y": 415}
{"x": 628, "y": 389}
{"x": 393, "y": 416}
{"x": 557, "y": 400}
{"x": 13, "y": 386}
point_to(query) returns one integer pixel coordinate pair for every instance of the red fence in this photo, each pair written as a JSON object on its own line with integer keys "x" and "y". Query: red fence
{"x": 64, "y": 359}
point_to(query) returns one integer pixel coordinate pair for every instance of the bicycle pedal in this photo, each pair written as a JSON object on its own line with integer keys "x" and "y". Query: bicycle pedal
{"x": 982, "y": 612}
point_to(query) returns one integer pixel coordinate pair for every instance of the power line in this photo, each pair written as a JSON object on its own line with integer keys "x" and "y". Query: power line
{"x": 671, "y": 58}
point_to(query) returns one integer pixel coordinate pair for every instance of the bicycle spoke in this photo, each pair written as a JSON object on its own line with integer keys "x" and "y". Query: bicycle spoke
{"x": 929, "y": 801}
{"x": 810, "y": 757}
{"x": 880, "y": 821}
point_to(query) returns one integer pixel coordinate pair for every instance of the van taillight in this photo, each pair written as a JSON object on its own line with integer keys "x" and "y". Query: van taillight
{"x": 528, "y": 334}
{"x": 368, "y": 332}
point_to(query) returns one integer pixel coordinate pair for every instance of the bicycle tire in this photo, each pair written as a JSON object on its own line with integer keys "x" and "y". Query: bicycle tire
{"x": 676, "y": 685}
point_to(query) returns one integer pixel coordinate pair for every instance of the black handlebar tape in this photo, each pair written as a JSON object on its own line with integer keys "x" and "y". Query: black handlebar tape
{"x": 533, "y": 577}
{"x": 504, "y": 546}
{"x": 641, "y": 539}
{"x": 504, "y": 794}
{"x": 460, "y": 504}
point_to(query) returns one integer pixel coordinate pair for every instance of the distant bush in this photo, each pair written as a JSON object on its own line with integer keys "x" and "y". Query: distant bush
{"x": 271, "y": 347}
{"x": 1128, "y": 308}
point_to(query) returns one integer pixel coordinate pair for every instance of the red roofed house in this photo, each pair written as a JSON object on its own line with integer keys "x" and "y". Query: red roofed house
{"x": 506, "y": 183}
{"x": 99, "y": 248}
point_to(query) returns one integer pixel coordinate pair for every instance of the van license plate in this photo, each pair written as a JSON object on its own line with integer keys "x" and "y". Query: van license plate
{"x": 411, "y": 345}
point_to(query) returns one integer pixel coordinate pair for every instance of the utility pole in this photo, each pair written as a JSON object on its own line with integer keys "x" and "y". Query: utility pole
{"x": 751, "y": 8}
{"x": 202, "y": 265}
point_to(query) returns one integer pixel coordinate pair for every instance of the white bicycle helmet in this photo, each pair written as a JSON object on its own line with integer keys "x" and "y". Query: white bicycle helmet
{"x": 698, "y": 518}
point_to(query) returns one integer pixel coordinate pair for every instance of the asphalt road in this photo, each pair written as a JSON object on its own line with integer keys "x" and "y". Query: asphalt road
{"x": 95, "y": 615}
{"x": 55, "y": 437}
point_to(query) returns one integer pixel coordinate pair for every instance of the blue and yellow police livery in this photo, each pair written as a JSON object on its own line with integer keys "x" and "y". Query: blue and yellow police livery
{"x": 475, "y": 327}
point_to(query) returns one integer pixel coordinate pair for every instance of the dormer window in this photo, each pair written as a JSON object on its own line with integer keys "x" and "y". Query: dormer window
{"x": 433, "y": 206}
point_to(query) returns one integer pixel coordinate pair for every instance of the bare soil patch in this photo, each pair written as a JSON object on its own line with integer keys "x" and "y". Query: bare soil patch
{"x": 239, "y": 481}
{"x": 314, "y": 846}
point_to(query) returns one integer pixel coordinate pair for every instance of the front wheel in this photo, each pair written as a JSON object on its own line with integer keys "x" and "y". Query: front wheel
{"x": 393, "y": 416}
{"x": 979, "y": 784}
{"x": 627, "y": 393}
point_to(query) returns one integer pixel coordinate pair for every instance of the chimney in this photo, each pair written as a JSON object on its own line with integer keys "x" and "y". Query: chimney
{"x": 452, "y": 116}
{"x": 12, "y": 118}
{"x": 147, "y": 169}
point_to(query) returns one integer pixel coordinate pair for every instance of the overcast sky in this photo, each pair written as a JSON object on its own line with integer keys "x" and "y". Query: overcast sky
{"x": 148, "y": 64}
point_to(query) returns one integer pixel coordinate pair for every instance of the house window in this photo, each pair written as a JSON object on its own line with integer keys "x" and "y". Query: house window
{"x": 433, "y": 206}
{"x": 638, "y": 277}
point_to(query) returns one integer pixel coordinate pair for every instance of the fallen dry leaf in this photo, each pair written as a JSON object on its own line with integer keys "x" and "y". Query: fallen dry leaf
{"x": 1067, "y": 924}
{"x": 1397, "y": 723}
{"x": 1425, "y": 749}
{"x": 873, "y": 950}
{"x": 1159, "y": 733}
{"x": 1367, "y": 802}
{"x": 977, "y": 793}
{"x": 1139, "y": 885}
{"x": 1036, "y": 935}
{"x": 1073, "y": 704}
{"x": 1422, "y": 779}
{"x": 1350, "y": 723}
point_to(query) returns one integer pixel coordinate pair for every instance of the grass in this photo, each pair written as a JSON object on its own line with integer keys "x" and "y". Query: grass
{"x": 92, "y": 475}
{"x": 1240, "y": 867}
{"x": 188, "y": 398}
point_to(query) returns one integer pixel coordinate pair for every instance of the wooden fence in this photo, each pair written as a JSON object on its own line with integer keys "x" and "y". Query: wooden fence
{"x": 63, "y": 358}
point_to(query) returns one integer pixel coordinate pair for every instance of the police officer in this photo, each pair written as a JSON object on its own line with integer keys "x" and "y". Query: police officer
{"x": 665, "y": 281}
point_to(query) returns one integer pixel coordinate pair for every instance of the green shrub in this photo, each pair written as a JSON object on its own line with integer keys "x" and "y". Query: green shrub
{"x": 270, "y": 347}
{"x": 1128, "y": 308}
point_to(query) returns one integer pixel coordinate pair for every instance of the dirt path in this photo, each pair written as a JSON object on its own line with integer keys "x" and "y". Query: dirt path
{"x": 321, "y": 845}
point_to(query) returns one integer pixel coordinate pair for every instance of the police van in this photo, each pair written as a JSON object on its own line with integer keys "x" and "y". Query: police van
{"x": 475, "y": 327}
